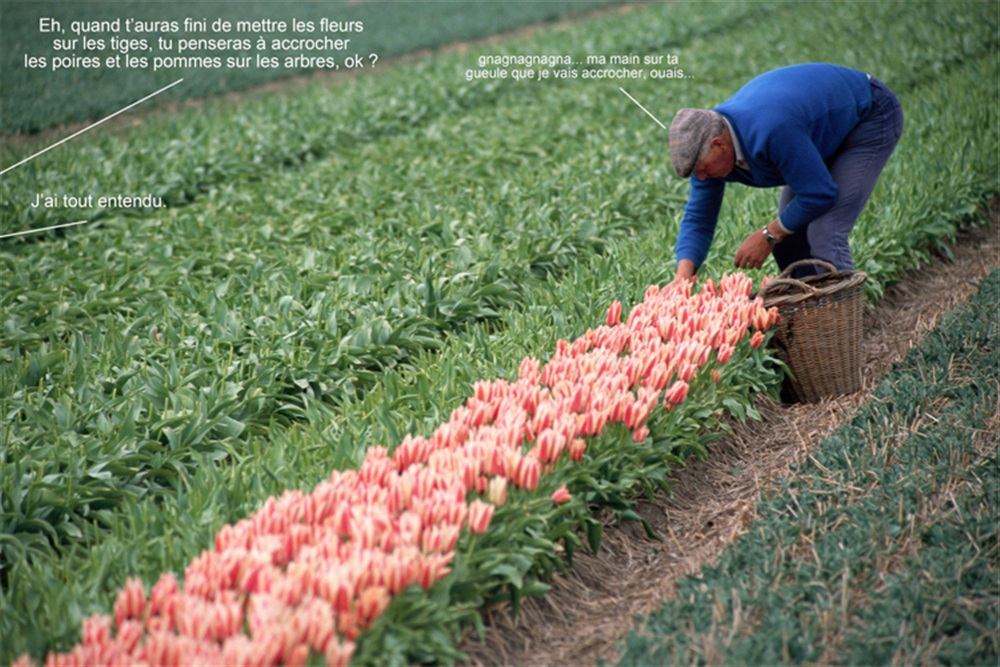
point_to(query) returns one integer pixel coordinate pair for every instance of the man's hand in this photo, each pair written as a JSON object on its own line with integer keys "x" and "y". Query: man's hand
{"x": 686, "y": 272}
{"x": 755, "y": 249}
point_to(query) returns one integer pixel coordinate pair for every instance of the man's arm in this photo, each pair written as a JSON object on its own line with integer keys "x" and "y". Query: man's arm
{"x": 697, "y": 227}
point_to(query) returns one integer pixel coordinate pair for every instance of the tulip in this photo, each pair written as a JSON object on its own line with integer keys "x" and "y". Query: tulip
{"x": 496, "y": 492}
{"x": 440, "y": 538}
{"x": 339, "y": 654}
{"x": 561, "y": 495}
{"x": 677, "y": 393}
{"x": 526, "y": 473}
{"x": 371, "y": 603}
{"x": 724, "y": 353}
{"x": 480, "y": 516}
{"x": 97, "y": 630}
{"x": 298, "y": 657}
{"x": 550, "y": 445}
{"x": 320, "y": 631}
{"x": 614, "y": 313}
{"x": 131, "y": 602}
{"x": 129, "y": 637}
{"x": 433, "y": 567}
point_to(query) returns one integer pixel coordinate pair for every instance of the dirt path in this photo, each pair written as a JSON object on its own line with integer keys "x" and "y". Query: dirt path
{"x": 714, "y": 501}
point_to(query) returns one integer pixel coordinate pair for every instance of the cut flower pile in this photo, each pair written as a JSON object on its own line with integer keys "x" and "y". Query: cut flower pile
{"x": 308, "y": 573}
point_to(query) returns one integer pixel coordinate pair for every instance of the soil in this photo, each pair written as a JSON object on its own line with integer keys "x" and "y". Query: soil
{"x": 712, "y": 502}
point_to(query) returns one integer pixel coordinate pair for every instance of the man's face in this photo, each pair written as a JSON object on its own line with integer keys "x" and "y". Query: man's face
{"x": 719, "y": 161}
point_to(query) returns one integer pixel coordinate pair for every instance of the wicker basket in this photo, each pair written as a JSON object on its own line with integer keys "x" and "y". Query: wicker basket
{"x": 819, "y": 333}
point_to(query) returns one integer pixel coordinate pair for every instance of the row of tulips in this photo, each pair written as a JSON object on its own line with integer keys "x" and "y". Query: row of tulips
{"x": 308, "y": 573}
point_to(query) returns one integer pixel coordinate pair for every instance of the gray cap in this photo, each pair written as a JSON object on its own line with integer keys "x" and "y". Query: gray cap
{"x": 691, "y": 134}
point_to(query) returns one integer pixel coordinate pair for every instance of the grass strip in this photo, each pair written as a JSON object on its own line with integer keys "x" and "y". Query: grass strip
{"x": 883, "y": 547}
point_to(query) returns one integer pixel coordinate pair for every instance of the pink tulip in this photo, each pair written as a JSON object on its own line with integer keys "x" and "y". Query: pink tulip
{"x": 480, "y": 516}
{"x": 550, "y": 445}
{"x": 339, "y": 654}
{"x": 371, "y": 603}
{"x": 131, "y": 602}
{"x": 526, "y": 474}
{"x": 433, "y": 567}
{"x": 724, "y": 353}
{"x": 529, "y": 370}
{"x": 561, "y": 495}
{"x": 129, "y": 637}
{"x": 97, "y": 630}
{"x": 440, "y": 538}
{"x": 677, "y": 393}
{"x": 614, "y": 313}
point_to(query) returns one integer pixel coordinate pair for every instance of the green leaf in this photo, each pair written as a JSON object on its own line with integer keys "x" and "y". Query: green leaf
{"x": 595, "y": 533}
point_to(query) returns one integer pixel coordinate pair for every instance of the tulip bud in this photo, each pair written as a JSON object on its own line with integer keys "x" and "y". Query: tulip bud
{"x": 480, "y": 516}
{"x": 614, "y": 313}
{"x": 131, "y": 602}
{"x": 496, "y": 491}
{"x": 561, "y": 495}
{"x": 678, "y": 392}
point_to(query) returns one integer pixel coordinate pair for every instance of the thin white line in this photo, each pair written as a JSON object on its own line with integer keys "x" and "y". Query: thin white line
{"x": 643, "y": 108}
{"x": 76, "y": 134}
{"x": 43, "y": 229}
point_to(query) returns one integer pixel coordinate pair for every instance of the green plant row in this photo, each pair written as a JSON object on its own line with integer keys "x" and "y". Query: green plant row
{"x": 883, "y": 546}
{"x": 36, "y": 99}
{"x": 181, "y": 157}
{"x": 194, "y": 311}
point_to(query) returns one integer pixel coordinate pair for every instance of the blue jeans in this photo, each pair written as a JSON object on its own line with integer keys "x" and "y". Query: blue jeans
{"x": 855, "y": 168}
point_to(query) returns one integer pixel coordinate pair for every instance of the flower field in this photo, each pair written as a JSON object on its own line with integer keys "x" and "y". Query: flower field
{"x": 307, "y": 573}
{"x": 393, "y": 340}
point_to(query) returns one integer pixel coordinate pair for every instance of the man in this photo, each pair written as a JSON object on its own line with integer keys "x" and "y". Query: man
{"x": 822, "y": 131}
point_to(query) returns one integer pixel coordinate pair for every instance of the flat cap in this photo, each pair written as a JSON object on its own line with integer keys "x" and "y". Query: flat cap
{"x": 691, "y": 134}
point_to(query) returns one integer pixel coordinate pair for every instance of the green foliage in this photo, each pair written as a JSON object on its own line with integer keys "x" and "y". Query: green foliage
{"x": 36, "y": 99}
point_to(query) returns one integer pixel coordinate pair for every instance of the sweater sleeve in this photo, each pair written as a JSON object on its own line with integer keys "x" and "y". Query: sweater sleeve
{"x": 806, "y": 173}
{"x": 701, "y": 214}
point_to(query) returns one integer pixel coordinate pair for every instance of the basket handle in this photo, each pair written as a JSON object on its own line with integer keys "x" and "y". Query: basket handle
{"x": 803, "y": 287}
{"x": 807, "y": 262}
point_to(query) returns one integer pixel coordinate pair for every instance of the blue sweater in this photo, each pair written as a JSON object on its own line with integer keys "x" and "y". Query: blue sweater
{"x": 788, "y": 122}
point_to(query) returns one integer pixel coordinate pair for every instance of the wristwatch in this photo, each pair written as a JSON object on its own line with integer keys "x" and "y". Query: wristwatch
{"x": 771, "y": 239}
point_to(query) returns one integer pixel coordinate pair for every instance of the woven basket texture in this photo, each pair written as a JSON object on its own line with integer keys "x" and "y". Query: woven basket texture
{"x": 820, "y": 331}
